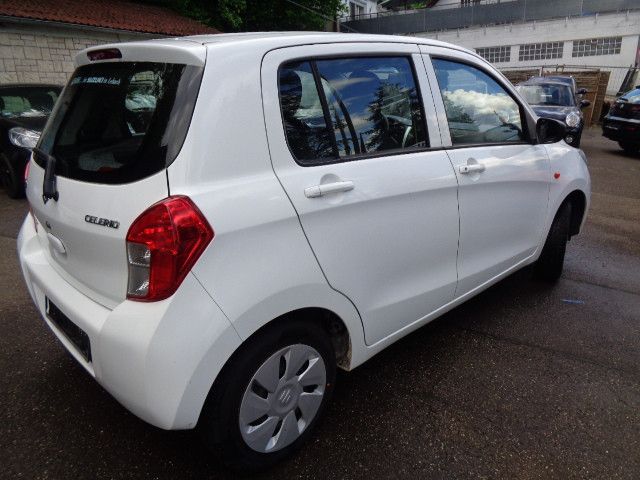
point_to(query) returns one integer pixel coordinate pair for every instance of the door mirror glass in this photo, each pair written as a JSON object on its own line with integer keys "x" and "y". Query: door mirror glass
{"x": 584, "y": 103}
{"x": 550, "y": 131}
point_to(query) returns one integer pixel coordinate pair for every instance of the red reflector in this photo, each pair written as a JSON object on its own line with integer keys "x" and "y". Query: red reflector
{"x": 104, "y": 54}
{"x": 174, "y": 233}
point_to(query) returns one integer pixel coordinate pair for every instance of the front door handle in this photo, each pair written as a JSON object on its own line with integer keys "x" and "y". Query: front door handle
{"x": 471, "y": 168}
{"x": 325, "y": 188}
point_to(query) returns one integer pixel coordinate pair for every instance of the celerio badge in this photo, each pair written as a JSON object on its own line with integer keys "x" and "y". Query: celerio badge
{"x": 105, "y": 222}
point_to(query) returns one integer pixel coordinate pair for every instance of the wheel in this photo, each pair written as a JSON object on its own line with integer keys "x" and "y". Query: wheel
{"x": 12, "y": 180}
{"x": 549, "y": 266}
{"x": 630, "y": 148}
{"x": 269, "y": 397}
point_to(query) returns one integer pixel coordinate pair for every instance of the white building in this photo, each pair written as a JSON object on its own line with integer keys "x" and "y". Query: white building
{"x": 528, "y": 33}
{"x": 606, "y": 40}
{"x": 359, "y": 8}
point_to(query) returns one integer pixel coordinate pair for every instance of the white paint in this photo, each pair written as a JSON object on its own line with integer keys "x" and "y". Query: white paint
{"x": 388, "y": 247}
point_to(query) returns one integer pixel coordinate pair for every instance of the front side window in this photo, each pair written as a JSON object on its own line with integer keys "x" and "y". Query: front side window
{"x": 371, "y": 106}
{"x": 478, "y": 108}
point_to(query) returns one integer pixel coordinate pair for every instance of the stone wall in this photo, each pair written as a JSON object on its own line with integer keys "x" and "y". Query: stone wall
{"x": 39, "y": 52}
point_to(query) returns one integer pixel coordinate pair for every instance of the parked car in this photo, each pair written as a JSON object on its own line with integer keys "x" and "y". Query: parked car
{"x": 622, "y": 123}
{"x": 569, "y": 80}
{"x": 24, "y": 110}
{"x": 285, "y": 205}
{"x": 552, "y": 98}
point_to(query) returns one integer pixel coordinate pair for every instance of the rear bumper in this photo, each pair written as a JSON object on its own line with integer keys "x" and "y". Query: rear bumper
{"x": 158, "y": 359}
{"x": 621, "y": 130}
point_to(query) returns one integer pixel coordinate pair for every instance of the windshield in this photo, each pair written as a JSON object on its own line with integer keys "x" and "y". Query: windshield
{"x": 632, "y": 97}
{"x": 547, "y": 94}
{"x": 27, "y": 101}
{"x": 121, "y": 122}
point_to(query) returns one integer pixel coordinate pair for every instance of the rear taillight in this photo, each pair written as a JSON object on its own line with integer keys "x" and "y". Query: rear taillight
{"x": 163, "y": 244}
{"x": 26, "y": 172}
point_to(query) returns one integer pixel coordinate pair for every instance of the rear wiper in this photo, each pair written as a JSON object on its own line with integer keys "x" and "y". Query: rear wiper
{"x": 49, "y": 188}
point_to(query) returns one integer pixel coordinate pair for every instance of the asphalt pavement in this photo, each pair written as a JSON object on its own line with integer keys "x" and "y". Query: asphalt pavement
{"x": 524, "y": 381}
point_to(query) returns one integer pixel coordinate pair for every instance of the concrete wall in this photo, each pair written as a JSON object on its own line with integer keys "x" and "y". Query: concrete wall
{"x": 42, "y": 52}
{"x": 626, "y": 25}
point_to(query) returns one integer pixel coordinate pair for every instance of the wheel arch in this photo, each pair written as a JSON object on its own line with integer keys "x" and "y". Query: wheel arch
{"x": 332, "y": 324}
{"x": 578, "y": 201}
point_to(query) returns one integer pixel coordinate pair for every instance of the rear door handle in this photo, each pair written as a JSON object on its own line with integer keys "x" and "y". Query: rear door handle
{"x": 474, "y": 167}
{"x": 325, "y": 188}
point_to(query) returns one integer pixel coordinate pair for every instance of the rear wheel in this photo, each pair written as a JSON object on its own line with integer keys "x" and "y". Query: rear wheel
{"x": 270, "y": 397}
{"x": 551, "y": 262}
{"x": 11, "y": 179}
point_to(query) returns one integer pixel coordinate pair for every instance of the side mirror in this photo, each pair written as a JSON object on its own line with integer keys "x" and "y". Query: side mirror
{"x": 581, "y": 91}
{"x": 550, "y": 131}
{"x": 584, "y": 103}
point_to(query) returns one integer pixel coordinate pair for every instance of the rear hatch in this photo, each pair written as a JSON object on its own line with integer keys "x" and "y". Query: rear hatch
{"x": 627, "y": 106}
{"x": 118, "y": 125}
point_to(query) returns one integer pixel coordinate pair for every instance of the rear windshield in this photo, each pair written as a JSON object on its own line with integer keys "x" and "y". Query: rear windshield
{"x": 120, "y": 122}
{"x": 27, "y": 101}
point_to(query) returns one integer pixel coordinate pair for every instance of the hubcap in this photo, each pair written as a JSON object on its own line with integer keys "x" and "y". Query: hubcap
{"x": 282, "y": 398}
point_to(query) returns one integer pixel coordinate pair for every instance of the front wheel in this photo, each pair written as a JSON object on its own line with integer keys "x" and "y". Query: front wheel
{"x": 551, "y": 262}
{"x": 12, "y": 181}
{"x": 270, "y": 396}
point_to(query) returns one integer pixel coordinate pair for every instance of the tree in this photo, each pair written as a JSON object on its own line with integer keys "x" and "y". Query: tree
{"x": 257, "y": 15}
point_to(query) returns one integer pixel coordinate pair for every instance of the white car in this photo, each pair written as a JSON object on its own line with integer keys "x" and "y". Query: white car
{"x": 285, "y": 204}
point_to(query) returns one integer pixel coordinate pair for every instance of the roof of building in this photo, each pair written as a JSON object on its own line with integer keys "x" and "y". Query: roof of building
{"x": 114, "y": 14}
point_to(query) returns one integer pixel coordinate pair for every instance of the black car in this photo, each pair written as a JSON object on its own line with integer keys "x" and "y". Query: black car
{"x": 557, "y": 99}
{"x": 24, "y": 110}
{"x": 622, "y": 123}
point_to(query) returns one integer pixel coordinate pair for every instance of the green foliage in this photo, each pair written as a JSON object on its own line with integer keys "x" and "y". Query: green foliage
{"x": 257, "y": 15}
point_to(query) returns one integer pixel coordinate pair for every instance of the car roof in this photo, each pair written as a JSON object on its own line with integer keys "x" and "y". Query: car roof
{"x": 284, "y": 39}
{"x": 187, "y": 48}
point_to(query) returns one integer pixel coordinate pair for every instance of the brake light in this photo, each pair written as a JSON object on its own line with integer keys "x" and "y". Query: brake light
{"x": 26, "y": 172}
{"x": 104, "y": 54}
{"x": 163, "y": 244}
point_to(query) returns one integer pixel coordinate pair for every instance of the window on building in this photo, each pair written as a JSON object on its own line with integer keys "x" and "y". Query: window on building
{"x": 495, "y": 54}
{"x": 479, "y": 110}
{"x": 596, "y": 46}
{"x": 540, "y": 51}
{"x": 355, "y": 10}
{"x": 372, "y": 105}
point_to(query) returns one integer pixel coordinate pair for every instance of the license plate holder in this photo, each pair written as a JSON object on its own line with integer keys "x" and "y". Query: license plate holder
{"x": 71, "y": 331}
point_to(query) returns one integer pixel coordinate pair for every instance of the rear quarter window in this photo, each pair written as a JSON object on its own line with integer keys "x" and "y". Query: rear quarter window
{"x": 121, "y": 122}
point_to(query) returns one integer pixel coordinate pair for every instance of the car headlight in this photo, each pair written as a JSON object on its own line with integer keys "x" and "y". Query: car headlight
{"x": 572, "y": 120}
{"x": 23, "y": 137}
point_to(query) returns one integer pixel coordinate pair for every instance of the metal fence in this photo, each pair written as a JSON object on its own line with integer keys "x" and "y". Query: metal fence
{"x": 488, "y": 13}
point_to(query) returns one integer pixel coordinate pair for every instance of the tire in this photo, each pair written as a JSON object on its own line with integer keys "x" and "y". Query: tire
{"x": 254, "y": 384}
{"x": 549, "y": 266}
{"x": 629, "y": 148}
{"x": 12, "y": 181}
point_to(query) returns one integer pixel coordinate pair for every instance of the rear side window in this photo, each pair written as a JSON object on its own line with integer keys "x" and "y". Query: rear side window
{"x": 120, "y": 122}
{"x": 479, "y": 110}
{"x": 336, "y": 109}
